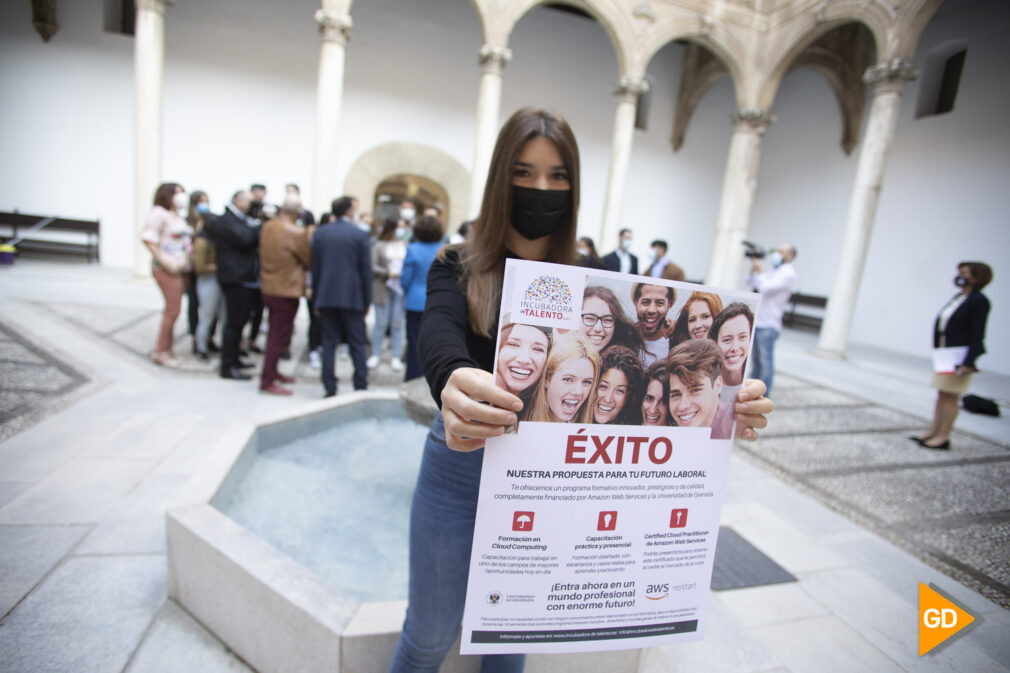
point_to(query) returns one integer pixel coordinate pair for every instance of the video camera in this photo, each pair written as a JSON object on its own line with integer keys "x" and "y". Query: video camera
{"x": 754, "y": 251}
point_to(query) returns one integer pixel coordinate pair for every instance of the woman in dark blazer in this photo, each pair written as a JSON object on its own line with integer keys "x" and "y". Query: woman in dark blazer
{"x": 961, "y": 322}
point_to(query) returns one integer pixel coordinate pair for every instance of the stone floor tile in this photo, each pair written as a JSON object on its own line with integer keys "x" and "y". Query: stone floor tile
{"x": 136, "y": 525}
{"x": 146, "y": 436}
{"x": 80, "y": 492}
{"x": 105, "y": 321}
{"x": 36, "y": 378}
{"x": 760, "y": 606}
{"x": 12, "y": 489}
{"x": 862, "y": 451}
{"x": 889, "y": 621}
{"x": 985, "y": 546}
{"x": 823, "y": 645}
{"x": 86, "y": 617}
{"x": 177, "y": 643}
{"x": 893, "y": 497}
{"x": 901, "y": 572}
{"x": 27, "y": 553}
{"x": 841, "y": 420}
{"x": 793, "y": 398}
{"x": 775, "y": 535}
{"x": 991, "y": 637}
{"x": 12, "y": 351}
{"x": 728, "y": 647}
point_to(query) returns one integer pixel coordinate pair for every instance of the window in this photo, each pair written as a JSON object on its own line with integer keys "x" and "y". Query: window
{"x": 119, "y": 16}
{"x": 940, "y": 79}
{"x": 642, "y": 109}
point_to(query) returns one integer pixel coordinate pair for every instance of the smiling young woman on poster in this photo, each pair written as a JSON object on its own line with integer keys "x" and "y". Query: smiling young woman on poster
{"x": 528, "y": 211}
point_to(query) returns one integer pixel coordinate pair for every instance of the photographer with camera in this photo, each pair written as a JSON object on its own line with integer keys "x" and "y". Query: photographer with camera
{"x": 776, "y": 285}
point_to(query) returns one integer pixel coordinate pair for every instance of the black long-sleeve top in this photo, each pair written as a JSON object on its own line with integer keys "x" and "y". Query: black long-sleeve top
{"x": 966, "y": 327}
{"x": 446, "y": 341}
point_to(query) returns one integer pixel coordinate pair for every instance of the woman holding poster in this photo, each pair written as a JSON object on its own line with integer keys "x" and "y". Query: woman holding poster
{"x": 566, "y": 393}
{"x": 528, "y": 211}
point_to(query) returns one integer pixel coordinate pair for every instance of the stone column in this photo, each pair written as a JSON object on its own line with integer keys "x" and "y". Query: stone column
{"x": 148, "y": 73}
{"x": 627, "y": 90}
{"x": 492, "y": 62}
{"x": 334, "y": 31}
{"x": 888, "y": 80}
{"x": 737, "y": 199}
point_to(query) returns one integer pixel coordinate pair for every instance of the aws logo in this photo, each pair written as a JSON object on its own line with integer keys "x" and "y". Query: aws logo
{"x": 657, "y": 592}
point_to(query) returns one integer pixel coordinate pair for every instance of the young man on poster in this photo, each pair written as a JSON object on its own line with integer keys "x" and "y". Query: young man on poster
{"x": 695, "y": 372}
{"x": 652, "y": 303}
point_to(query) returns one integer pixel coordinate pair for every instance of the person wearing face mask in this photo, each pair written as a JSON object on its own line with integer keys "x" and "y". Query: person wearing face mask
{"x": 414, "y": 281}
{"x": 960, "y": 323}
{"x": 408, "y": 211}
{"x": 169, "y": 239}
{"x": 621, "y": 259}
{"x": 588, "y": 255}
{"x": 528, "y": 211}
{"x": 662, "y": 267}
{"x": 776, "y": 286}
{"x": 236, "y": 241}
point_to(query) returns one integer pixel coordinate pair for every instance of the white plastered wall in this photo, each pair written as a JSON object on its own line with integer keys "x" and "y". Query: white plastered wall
{"x": 240, "y": 80}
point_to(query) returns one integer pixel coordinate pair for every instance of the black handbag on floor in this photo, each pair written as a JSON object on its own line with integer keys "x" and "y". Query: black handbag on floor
{"x": 980, "y": 405}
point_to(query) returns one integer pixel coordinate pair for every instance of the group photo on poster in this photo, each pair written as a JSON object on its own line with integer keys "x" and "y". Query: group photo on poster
{"x": 645, "y": 353}
{"x": 598, "y": 510}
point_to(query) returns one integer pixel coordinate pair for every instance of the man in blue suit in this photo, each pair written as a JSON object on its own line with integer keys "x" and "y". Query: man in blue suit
{"x": 342, "y": 290}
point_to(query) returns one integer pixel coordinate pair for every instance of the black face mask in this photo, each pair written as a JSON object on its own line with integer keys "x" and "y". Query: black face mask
{"x": 960, "y": 281}
{"x": 540, "y": 212}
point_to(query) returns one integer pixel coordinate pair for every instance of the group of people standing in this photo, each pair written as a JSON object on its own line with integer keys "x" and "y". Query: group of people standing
{"x": 684, "y": 371}
{"x": 255, "y": 255}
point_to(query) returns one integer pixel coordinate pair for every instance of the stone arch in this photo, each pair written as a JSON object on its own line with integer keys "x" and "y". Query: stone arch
{"x": 724, "y": 45}
{"x": 707, "y": 59}
{"x": 383, "y": 161}
{"x": 914, "y": 22}
{"x": 787, "y": 47}
{"x": 614, "y": 22}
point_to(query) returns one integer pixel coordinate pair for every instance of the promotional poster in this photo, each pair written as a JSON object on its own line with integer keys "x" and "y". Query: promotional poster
{"x": 599, "y": 512}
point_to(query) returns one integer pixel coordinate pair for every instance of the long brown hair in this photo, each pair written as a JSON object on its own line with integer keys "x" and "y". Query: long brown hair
{"x": 680, "y": 333}
{"x": 483, "y": 253}
{"x": 570, "y": 346}
{"x": 163, "y": 195}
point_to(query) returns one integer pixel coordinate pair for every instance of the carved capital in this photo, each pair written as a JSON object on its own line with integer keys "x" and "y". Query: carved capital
{"x": 334, "y": 27}
{"x": 156, "y": 6}
{"x": 643, "y": 10}
{"x": 752, "y": 119}
{"x": 493, "y": 59}
{"x": 890, "y": 75}
{"x": 628, "y": 89}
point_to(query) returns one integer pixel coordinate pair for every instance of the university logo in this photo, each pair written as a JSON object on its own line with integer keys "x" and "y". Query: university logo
{"x": 547, "y": 297}
{"x": 494, "y": 598}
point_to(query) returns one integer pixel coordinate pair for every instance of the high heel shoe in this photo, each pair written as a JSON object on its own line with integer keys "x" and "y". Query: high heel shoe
{"x": 920, "y": 440}
{"x": 941, "y": 447}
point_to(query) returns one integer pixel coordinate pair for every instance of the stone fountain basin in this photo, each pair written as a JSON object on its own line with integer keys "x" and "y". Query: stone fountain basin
{"x": 272, "y": 611}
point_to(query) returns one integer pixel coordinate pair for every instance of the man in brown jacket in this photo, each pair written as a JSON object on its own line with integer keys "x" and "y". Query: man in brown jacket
{"x": 284, "y": 259}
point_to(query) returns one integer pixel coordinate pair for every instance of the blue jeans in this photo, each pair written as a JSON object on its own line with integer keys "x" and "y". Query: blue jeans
{"x": 389, "y": 315}
{"x": 764, "y": 356}
{"x": 441, "y": 535}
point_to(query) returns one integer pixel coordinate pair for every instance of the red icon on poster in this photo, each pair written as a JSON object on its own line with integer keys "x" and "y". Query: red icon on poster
{"x": 607, "y": 521}
{"x": 522, "y": 521}
{"x": 678, "y": 518}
